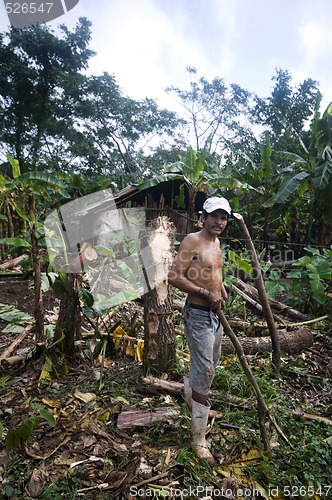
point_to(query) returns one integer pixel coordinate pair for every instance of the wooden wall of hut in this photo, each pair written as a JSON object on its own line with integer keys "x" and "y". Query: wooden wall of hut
{"x": 181, "y": 218}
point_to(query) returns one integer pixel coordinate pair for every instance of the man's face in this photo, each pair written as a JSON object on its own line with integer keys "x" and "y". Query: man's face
{"x": 216, "y": 221}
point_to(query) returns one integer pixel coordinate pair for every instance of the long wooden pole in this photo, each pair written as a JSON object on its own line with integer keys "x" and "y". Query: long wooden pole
{"x": 261, "y": 291}
{"x": 263, "y": 410}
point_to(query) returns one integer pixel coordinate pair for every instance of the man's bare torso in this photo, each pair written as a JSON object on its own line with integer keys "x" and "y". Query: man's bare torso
{"x": 205, "y": 267}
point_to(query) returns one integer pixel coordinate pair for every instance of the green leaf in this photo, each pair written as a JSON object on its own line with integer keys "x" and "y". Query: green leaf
{"x": 294, "y": 274}
{"x": 87, "y": 297}
{"x": 293, "y": 157}
{"x": 1, "y": 430}
{"x": 266, "y": 152}
{"x": 41, "y": 176}
{"x": 13, "y": 329}
{"x": 303, "y": 188}
{"x": 180, "y": 199}
{"x": 59, "y": 286}
{"x": 9, "y": 490}
{"x": 14, "y": 436}
{"x": 324, "y": 269}
{"x": 323, "y": 173}
{"x": 287, "y": 187}
{"x": 48, "y": 416}
{"x": 15, "y": 165}
{"x": 25, "y": 429}
{"x": 12, "y": 439}
{"x": 274, "y": 287}
{"x": 317, "y": 287}
{"x": 16, "y": 242}
{"x": 12, "y": 315}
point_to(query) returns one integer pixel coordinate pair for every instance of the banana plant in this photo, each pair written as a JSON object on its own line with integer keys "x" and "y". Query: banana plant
{"x": 309, "y": 176}
{"x": 192, "y": 170}
{"x": 251, "y": 182}
{"x": 198, "y": 172}
{"x": 14, "y": 194}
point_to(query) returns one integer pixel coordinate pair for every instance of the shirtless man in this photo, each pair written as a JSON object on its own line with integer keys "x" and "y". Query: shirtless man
{"x": 197, "y": 270}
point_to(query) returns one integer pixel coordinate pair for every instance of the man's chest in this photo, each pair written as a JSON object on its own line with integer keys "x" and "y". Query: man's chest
{"x": 208, "y": 257}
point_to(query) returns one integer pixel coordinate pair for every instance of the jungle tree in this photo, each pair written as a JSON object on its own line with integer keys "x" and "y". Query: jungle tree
{"x": 115, "y": 130}
{"x": 214, "y": 112}
{"x": 37, "y": 73}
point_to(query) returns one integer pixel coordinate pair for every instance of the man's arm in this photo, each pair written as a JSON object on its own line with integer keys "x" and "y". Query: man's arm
{"x": 223, "y": 292}
{"x": 177, "y": 273}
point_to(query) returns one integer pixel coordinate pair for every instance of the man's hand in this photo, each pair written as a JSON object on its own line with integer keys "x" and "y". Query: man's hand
{"x": 216, "y": 302}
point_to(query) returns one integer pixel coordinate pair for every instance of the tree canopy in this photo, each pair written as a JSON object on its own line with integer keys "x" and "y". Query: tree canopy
{"x": 272, "y": 151}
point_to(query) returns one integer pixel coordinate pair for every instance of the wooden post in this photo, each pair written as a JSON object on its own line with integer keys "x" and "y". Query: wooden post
{"x": 159, "y": 334}
{"x": 261, "y": 291}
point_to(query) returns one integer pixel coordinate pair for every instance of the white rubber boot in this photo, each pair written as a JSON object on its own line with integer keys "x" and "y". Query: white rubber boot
{"x": 188, "y": 393}
{"x": 199, "y": 418}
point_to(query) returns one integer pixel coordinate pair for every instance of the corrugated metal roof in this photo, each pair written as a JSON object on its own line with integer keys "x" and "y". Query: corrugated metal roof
{"x": 132, "y": 188}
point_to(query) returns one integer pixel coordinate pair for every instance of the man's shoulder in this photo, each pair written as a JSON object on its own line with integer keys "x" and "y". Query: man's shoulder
{"x": 190, "y": 240}
{"x": 192, "y": 237}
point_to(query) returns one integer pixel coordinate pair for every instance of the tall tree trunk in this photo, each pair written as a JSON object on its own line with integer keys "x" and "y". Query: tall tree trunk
{"x": 68, "y": 327}
{"x": 2, "y": 246}
{"x": 11, "y": 233}
{"x": 159, "y": 334}
{"x": 266, "y": 235}
{"x": 38, "y": 295}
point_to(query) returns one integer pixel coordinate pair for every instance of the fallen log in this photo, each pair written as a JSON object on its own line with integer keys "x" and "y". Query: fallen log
{"x": 299, "y": 415}
{"x": 13, "y": 360}
{"x": 251, "y": 329}
{"x": 290, "y": 342}
{"x": 275, "y": 304}
{"x": 9, "y": 264}
{"x": 14, "y": 344}
{"x": 174, "y": 388}
{"x": 247, "y": 298}
{"x": 152, "y": 384}
{"x": 133, "y": 419}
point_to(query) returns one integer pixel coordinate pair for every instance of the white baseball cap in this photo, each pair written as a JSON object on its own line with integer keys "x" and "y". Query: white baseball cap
{"x": 215, "y": 203}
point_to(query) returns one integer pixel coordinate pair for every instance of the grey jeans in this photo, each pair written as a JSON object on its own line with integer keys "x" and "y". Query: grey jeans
{"x": 204, "y": 333}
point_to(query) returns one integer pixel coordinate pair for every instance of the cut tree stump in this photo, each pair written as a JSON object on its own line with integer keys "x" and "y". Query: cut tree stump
{"x": 159, "y": 333}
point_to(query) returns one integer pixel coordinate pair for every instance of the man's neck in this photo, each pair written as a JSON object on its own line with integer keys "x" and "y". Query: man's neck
{"x": 208, "y": 236}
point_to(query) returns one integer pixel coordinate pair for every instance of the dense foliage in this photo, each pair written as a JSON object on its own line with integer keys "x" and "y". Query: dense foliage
{"x": 65, "y": 135}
